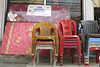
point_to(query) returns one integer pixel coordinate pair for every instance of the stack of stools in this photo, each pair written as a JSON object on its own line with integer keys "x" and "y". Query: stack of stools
{"x": 91, "y": 39}
{"x": 44, "y": 36}
{"x": 68, "y": 39}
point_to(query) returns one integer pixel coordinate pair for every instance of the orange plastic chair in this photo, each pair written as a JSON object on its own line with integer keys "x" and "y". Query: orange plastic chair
{"x": 44, "y": 33}
{"x": 68, "y": 38}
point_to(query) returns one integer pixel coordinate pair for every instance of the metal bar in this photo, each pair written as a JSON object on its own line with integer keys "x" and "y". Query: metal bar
{"x": 44, "y": 2}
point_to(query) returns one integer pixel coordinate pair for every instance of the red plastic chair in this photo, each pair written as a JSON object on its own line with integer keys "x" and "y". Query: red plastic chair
{"x": 68, "y": 38}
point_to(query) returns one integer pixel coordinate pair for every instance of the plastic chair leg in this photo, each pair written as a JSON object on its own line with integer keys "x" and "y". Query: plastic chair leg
{"x": 38, "y": 56}
{"x": 79, "y": 57}
{"x": 72, "y": 53}
{"x": 61, "y": 53}
{"x": 54, "y": 63}
{"x": 61, "y": 60}
{"x": 83, "y": 57}
{"x": 32, "y": 58}
{"x": 56, "y": 58}
{"x": 79, "y": 60}
{"x": 87, "y": 65}
{"x": 33, "y": 63}
{"x": 97, "y": 56}
{"x": 50, "y": 56}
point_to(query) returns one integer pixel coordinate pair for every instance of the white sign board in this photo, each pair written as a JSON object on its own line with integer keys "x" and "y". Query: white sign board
{"x": 39, "y": 10}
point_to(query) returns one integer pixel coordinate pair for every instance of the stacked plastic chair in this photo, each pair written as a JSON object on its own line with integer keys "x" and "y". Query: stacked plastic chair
{"x": 68, "y": 38}
{"x": 91, "y": 39}
{"x": 44, "y": 33}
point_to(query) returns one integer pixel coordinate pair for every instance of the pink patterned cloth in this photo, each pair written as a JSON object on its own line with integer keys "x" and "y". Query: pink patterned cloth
{"x": 17, "y": 39}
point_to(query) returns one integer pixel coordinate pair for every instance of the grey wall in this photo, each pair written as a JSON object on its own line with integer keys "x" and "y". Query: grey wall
{"x": 75, "y": 7}
{"x": 88, "y": 10}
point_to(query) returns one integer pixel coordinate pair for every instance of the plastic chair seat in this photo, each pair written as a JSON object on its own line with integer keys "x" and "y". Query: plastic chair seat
{"x": 70, "y": 46}
{"x": 44, "y": 42}
{"x": 42, "y": 46}
{"x": 45, "y": 37}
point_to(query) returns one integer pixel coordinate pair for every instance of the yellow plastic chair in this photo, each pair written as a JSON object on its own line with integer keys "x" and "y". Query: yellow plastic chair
{"x": 43, "y": 32}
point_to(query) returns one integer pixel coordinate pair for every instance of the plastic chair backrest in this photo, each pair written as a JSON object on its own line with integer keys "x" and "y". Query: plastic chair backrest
{"x": 89, "y": 27}
{"x": 79, "y": 28}
{"x": 45, "y": 28}
{"x": 68, "y": 27}
{"x": 60, "y": 29}
{"x": 73, "y": 27}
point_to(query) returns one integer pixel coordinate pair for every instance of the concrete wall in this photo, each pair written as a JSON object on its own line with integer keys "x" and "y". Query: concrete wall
{"x": 97, "y": 2}
{"x": 88, "y": 10}
{"x": 3, "y": 4}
